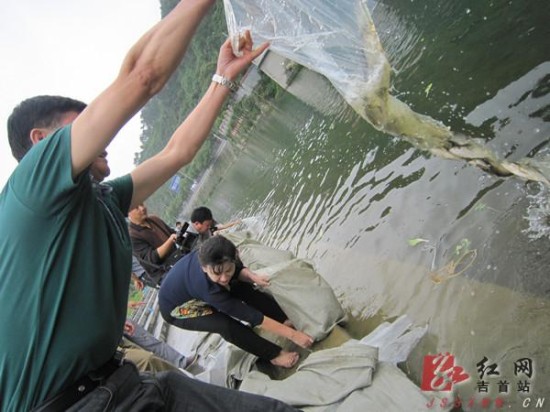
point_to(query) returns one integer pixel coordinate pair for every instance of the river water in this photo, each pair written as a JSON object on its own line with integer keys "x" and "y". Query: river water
{"x": 396, "y": 231}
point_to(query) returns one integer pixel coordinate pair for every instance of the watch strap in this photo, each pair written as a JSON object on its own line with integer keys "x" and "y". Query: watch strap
{"x": 224, "y": 81}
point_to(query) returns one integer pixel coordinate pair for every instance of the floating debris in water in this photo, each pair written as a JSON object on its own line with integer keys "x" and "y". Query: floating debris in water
{"x": 428, "y": 88}
{"x": 414, "y": 242}
{"x": 463, "y": 259}
{"x": 480, "y": 206}
{"x": 462, "y": 247}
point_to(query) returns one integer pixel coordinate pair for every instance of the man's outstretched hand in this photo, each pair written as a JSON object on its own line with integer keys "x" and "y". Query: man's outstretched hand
{"x": 230, "y": 65}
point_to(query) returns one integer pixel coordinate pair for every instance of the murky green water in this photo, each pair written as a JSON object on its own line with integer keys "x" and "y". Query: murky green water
{"x": 336, "y": 191}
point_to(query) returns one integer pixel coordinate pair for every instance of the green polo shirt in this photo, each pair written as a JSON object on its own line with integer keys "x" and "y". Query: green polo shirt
{"x": 64, "y": 274}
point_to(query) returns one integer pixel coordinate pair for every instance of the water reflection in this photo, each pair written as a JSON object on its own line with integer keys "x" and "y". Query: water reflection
{"x": 336, "y": 191}
{"x": 348, "y": 198}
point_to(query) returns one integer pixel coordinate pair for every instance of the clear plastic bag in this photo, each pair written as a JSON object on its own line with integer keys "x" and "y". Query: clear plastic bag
{"x": 338, "y": 40}
{"x": 334, "y": 38}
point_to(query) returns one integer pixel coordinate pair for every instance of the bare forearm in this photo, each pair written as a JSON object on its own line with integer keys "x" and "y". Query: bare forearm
{"x": 165, "y": 249}
{"x": 190, "y": 135}
{"x": 277, "y": 328}
{"x": 228, "y": 225}
{"x": 182, "y": 146}
{"x": 163, "y": 46}
{"x": 296, "y": 336}
{"x": 144, "y": 71}
{"x": 246, "y": 275}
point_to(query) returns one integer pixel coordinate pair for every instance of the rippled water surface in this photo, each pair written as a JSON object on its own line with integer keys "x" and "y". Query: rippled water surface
{"x": 352, "y": 200}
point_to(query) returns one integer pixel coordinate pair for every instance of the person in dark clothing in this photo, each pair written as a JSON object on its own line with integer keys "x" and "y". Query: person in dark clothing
{"x": 203, "y": 225}
{"x": 210, "y": 290}
{"x": 65, "y": 297}
{"x": 153, "y": 243}
{"x": 203, "y": 222}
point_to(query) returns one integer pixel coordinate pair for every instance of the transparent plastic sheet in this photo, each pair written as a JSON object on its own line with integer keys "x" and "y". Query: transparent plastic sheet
{"x": 338, "y": 39}
{"x": 312, "y": 34}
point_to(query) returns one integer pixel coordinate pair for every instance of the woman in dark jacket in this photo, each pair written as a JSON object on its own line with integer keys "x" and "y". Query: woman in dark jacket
{"x": 210, "y": 290}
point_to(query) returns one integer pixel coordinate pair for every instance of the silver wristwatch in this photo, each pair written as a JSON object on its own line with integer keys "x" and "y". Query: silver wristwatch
{"x": 224, "y": 81}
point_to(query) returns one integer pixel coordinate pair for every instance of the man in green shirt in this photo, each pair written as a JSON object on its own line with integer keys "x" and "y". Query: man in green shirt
{"x": 66, "y": 253}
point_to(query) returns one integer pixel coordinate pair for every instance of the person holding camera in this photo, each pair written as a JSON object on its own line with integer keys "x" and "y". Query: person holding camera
{"x": 154, "y": 243}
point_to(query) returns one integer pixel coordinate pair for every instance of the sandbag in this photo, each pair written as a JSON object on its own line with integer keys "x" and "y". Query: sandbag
{"x": 343, "y": 379}
{"x": 324, "y": 378}
{"x": 254, "y": 254}
{"x": 305, "y": 297}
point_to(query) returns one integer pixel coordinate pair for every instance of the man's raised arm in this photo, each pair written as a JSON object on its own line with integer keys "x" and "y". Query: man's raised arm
{"x": 144, "y": 72}
{"x": 189, "y": 136}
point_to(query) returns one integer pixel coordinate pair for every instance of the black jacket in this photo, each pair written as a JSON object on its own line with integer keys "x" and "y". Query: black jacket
{"x": 145, "y": 242}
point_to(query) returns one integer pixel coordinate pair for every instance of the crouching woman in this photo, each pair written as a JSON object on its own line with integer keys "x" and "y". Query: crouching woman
{"x": 210, "y": 290}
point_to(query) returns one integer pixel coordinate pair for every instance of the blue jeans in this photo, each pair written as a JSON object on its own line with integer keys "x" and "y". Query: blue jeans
{"x": 127, "y": 390}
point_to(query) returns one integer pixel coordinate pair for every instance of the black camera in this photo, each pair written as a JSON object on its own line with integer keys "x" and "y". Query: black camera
{"x": 185, "y": 240}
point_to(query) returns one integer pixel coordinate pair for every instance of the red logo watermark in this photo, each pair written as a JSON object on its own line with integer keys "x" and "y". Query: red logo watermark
{"x": 439, "y": 373}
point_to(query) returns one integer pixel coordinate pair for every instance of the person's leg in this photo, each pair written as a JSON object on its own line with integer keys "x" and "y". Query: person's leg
{"x": 185, "y": 394}
{"x": 147, "y": 341}
{"x": 232, "y": 331}
{"x": 259, "y": 300}
{"x": 125, "y": 390}
{"x": 146, "y": 361}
